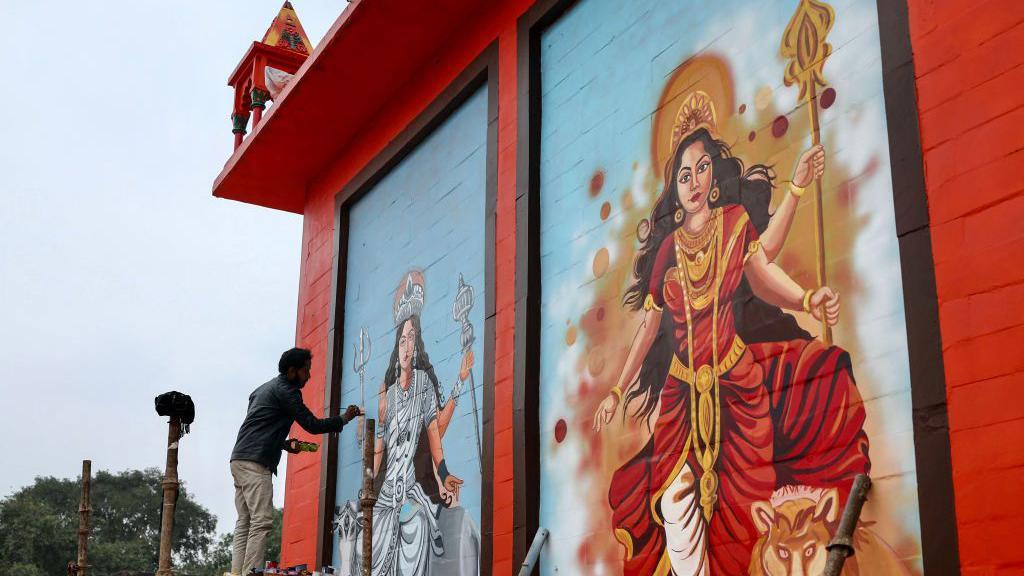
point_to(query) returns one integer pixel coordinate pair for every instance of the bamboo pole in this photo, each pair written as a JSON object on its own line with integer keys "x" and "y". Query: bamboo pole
{"x": 366, "y": 497}
{"x": 841, "y": 546}
{"x": 170, "y": 487}
{"x": 80, "y": 566}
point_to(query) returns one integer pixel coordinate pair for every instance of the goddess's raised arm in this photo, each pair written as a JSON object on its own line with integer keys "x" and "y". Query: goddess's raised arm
{"x": 811, "y": 165}
{"x": 771, "y": 284}
{"x": 444, "y": 415}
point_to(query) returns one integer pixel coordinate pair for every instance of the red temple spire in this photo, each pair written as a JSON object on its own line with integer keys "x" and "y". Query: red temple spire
{"x": 266, "y": 69}
{"x": 286, "y": 31}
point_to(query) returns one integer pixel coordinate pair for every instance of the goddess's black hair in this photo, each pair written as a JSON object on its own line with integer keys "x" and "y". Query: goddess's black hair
{"x": 756, "y": 320}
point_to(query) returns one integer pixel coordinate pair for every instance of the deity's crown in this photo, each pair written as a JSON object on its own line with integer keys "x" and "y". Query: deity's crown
{"x": 409, "y": 298}
{"x": 697, "y": 111}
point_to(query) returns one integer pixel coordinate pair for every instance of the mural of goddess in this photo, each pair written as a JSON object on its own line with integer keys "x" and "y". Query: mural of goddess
{"x": 414, "y": 483}
{"x": 743, "y": 402}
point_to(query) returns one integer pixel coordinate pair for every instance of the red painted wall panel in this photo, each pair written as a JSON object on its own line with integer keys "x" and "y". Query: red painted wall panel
{"x": 969, "y": 62}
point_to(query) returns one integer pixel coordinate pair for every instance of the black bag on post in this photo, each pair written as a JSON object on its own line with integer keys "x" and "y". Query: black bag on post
{"x": 176, "y": 405}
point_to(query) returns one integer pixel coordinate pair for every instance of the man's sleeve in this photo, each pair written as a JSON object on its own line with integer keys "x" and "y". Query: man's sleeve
{"x": 295, "y": 408}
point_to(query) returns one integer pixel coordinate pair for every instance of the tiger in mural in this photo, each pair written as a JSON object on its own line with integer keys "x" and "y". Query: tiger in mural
{"x": 796, "y": 525}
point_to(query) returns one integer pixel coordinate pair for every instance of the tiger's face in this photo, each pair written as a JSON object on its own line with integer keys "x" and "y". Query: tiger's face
{"x": 794, "y": 534}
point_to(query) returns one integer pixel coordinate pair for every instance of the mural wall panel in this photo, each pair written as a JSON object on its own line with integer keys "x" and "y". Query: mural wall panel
{"x": 413, "y": 354}
{"x": 722, "y": 326}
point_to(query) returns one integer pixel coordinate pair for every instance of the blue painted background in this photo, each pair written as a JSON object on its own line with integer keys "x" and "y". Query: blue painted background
{"x": 427, "y": 213}
{"x": 604, "y": 64}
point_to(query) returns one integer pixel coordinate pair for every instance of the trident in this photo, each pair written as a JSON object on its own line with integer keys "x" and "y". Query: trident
{"x": 361, "y": 356}
{"x": 460, "y": 313}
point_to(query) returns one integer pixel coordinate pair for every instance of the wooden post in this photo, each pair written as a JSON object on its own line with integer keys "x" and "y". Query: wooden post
{"x": 366, "y": 496}
{"x": 81, "y": 565}
{"x": 170, "y": 486}
{"x": 841, "y": 545}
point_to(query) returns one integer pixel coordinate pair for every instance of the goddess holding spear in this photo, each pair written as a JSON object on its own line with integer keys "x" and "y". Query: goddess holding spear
{"x": 804, "y": 45}
{"x": 731, "y": 419}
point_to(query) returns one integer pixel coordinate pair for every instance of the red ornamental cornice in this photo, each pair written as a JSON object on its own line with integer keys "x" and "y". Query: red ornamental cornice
{"x": 272, "y": 56}
{"x": 373, "y": 50}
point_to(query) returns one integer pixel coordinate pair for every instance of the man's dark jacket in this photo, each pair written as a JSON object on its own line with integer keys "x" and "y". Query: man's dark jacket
{"x": 272, "y": 409}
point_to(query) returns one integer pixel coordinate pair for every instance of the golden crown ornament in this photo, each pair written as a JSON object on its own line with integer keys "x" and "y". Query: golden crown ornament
{"x": 697, "y": 111}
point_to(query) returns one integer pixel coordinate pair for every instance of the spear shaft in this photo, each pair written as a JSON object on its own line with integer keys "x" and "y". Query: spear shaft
{"x": 805, "y": 48}
{"x": 460, "y": 313}
{"x": 819, "y": 218}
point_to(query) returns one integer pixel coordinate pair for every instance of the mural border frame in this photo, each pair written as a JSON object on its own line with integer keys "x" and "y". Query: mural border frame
{"x": 482, "y": 72}
{"x": 936, "y": 502}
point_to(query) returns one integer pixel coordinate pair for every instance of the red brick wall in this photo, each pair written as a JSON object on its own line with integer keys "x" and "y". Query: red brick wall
{"x": 504, "y": 282}
{"x": 969, "y": 61}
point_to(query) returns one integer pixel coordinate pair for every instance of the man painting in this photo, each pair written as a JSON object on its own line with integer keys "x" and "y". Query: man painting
{"x": 273, "y": 407}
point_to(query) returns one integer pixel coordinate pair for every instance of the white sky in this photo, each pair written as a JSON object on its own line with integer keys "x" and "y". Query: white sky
{"x": 121, "y": 277}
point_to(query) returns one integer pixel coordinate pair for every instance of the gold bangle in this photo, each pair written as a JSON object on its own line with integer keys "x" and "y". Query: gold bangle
{"x": 617, "y": 392}
{"x": 796, "y": 190}
{"x": 807, "y": 299}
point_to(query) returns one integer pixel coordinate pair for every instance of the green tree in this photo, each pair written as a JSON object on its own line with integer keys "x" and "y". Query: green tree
{"x": 39, "y": 523}
{"x": 218, "y": 559}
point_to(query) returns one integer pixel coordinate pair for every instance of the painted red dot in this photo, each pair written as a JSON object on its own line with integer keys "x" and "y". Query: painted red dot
{"x": 596, "y": 183}
{"x": 743, "y": 108}
{"x": 560, "y": 430}
{"x": 828, "y": 97}
{"x": 779, "y": 127}
{"x": 751, "y": 136}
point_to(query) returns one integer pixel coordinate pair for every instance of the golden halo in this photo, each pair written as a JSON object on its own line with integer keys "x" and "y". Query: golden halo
{"x": 698, "y": 80}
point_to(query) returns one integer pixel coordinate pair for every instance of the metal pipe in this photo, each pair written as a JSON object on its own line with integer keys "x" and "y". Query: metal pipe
{"x": 366, "y": 496}
{"x": 841, "y": 545}
{"x": 534, "y": 553}
{"x": 170, "y": 486}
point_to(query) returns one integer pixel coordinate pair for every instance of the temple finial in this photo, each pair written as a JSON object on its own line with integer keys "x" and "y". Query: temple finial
{"x": 286, "y": 32}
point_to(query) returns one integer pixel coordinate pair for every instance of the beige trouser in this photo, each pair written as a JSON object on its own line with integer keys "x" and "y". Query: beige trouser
{"x": 254, "y": 501}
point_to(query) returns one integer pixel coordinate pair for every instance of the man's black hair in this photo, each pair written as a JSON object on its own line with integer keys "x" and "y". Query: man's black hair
{"x": 294, "y": 358}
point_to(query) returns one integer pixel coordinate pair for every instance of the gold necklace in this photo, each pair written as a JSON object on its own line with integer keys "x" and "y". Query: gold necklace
{"x": 693, "y": 253}
{"x": 692, "y": 243}
{"x": 705, "y": 401}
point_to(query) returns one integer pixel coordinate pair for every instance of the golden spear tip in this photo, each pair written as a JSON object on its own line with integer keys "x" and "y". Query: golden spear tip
{"x": 804, "y": 45}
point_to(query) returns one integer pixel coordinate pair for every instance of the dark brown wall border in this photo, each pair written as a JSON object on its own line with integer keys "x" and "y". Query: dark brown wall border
{"x": 525, "y": 417}
{"x": 928, "y": 384}
{"x": 936, "y": 502}
{"x": 482, "y": 72}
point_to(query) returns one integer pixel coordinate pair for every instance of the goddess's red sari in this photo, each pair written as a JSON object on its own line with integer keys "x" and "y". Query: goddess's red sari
{"x": 789, "y": 413}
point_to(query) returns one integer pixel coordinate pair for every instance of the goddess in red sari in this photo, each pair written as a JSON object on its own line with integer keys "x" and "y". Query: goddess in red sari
{"x": 743, "y": 401}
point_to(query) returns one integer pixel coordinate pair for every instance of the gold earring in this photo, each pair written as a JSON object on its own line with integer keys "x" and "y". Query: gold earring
{"x": 679, "y": 215}
{"x": 714, "y": 194}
